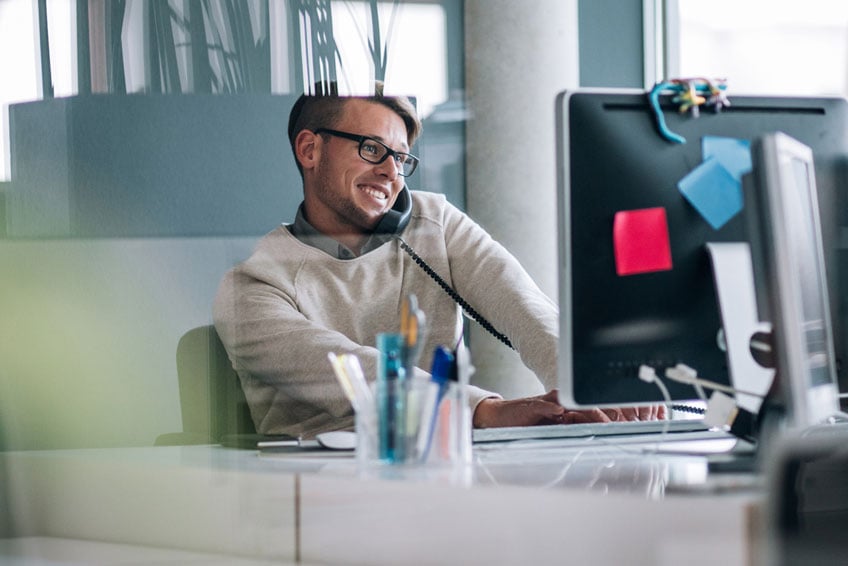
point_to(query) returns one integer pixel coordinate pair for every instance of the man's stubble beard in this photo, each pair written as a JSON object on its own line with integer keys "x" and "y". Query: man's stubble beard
{"x": 350, "y": 217}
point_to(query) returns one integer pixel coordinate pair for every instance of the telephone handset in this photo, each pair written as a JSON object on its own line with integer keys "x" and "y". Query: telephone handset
{"x": 393, "y": 222}
{"x": 396, "y": 219}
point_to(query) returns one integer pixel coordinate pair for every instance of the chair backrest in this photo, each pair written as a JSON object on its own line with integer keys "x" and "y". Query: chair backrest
{"x": 212, "y": 402}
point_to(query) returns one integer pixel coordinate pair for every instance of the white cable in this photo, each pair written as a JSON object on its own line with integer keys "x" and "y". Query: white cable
{"x": 684, "y": 374}
{"x": 649, "y": 375}
{"x": 699, "y": 389}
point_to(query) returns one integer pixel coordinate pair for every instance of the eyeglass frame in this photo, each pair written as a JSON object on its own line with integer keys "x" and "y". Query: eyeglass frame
{"x": 389, "y": 151}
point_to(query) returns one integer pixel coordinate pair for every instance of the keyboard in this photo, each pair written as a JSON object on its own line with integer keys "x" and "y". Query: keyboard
{"x": 503, "y": 434}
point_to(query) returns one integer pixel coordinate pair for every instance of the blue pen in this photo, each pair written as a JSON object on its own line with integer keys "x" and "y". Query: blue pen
{"x": 442, "y": 368}
{"x": 444, "y": 365}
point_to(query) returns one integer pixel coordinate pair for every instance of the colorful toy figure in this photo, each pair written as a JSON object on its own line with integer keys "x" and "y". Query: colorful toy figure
{"x": 690, "y": 95}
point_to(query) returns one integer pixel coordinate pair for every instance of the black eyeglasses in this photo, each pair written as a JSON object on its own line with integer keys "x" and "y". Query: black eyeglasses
{"x": 374, "y": 151}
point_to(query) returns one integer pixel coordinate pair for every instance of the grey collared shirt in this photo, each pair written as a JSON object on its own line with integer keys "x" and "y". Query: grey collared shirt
{"x": 309, "y": 235}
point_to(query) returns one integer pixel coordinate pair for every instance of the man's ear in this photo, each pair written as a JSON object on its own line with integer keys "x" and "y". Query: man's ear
{"x": 307, "y": 145}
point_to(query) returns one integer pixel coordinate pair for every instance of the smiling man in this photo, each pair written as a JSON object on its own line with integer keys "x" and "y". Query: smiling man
{"x": 335, "y": 278}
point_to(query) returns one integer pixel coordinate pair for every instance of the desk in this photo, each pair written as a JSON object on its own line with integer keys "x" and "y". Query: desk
{"x": 526, "y": 502}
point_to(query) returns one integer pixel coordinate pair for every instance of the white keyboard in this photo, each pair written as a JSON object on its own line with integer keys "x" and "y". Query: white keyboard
{"x": 507, "y": 433}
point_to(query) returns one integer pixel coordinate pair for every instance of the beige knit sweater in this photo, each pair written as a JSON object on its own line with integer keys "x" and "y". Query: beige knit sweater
{"x": 282, "y": 310}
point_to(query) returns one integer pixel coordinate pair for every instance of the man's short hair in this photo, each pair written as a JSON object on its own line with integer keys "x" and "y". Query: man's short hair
{"x": 323, "y": 110}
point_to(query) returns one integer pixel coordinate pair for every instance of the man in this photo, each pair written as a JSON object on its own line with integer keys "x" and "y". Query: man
{"x": 336, "y": 277}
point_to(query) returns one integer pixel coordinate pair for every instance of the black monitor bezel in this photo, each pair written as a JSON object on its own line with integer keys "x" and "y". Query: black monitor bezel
{"x": 783, "y": 110}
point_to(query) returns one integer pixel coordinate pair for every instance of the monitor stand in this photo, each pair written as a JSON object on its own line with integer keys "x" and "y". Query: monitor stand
{"x": 734, "y": 281}
{"x": 749, "y": 369}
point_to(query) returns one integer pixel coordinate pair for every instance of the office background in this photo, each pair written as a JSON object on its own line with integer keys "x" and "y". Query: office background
{"x": 120, "y": 212}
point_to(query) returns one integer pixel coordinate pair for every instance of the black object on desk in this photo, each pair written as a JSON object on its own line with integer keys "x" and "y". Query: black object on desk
{"x": 254, "y": 441}
{"x": 808, "y": 498}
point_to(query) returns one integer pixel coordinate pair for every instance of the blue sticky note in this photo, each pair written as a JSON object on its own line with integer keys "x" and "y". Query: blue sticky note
{"x": 734, "y": 154}
{"x": 713, "y": 191}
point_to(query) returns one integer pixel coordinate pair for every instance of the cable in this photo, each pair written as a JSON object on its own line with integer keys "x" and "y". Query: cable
{"x": 453, "y": 294}
{"x": 722, "y": 410}
{"x": 684, "y": 374}
{"x": 688, "y": 409}
{"x": 649, "y": 375}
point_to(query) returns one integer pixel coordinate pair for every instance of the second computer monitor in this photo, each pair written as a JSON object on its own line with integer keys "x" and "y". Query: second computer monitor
{"x": 786, "y": 237}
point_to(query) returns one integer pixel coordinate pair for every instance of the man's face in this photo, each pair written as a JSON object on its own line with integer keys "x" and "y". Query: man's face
{"x": 344, "y": 194}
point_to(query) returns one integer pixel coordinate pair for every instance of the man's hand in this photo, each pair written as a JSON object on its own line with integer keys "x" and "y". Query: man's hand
{"x": 646, "y": 413}
{"x": 545, "y": 409}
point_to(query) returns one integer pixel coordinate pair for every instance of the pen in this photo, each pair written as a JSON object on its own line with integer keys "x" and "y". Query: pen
{"x": 390, "y": 377}
{"x": 443, "y": 367}
{"x": 361, "y": 391}
{"x": 344, "y": 379}
{"x": 412, "y": 328}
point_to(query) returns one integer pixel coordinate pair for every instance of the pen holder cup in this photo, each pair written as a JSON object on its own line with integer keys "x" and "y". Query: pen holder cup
{"x": 415, "y": 423}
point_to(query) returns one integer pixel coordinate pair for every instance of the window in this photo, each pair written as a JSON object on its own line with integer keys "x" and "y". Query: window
{"x": 20, "y": 57}
{"x": 417, "y": 55}
{"x": 154, "y": 50}
{"x": 779, "y": 47}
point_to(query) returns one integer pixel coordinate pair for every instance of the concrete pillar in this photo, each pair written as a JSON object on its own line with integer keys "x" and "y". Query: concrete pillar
{"x": 519, "y": 55}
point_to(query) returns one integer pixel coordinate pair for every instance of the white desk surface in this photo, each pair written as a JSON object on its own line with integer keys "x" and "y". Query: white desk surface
{"x": 43, "y": 551}
{"x": 582, "y": 501}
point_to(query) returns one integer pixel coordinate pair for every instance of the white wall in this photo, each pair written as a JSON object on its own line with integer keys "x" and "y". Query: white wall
{"x": 519, "y": 55}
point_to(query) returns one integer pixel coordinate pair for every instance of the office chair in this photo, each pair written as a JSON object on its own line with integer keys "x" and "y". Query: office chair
{"x": 212, "y": 403}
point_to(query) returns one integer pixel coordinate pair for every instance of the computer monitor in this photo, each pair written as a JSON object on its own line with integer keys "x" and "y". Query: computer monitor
{"x": 614, "y": 169}
{"x": 786, "y": 241}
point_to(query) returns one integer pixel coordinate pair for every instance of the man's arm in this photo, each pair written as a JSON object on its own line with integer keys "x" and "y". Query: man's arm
{"x": 282, "y": 357}
{"x": 496, "y": 285}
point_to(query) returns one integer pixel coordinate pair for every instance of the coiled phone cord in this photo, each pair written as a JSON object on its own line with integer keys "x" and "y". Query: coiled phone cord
{"x": 453, "y": 294}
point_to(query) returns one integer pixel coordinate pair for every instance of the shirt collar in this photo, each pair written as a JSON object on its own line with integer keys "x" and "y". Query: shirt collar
{"x": 309, "y": 235}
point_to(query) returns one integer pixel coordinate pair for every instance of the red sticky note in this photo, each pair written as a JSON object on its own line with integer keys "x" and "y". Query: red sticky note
{"x": 640, "y": 238}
